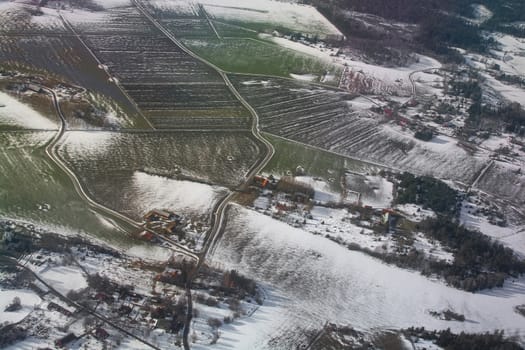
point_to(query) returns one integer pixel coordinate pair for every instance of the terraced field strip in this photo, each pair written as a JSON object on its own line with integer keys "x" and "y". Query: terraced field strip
{"x": 307, "y": 114}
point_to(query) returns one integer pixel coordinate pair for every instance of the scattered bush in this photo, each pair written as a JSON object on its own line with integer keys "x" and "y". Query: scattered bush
{"x": 214, "y": 322}
{"x": 465, "y": 341}
{"x": 14, "y": 306}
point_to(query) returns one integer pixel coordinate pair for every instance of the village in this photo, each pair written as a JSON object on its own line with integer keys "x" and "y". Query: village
{"x": 105, "y": 299}
{"x": 370, "y": 219}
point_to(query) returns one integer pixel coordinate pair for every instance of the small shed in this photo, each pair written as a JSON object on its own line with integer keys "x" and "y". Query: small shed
{"x": 62, "y": 342}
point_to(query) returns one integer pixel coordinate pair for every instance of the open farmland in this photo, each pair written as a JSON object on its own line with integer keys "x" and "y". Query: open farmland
{"x": 260, "y": 57}
{"x": 114, "y": 21}
{"x": 227, "y": 30}
{"x": 111, "y": 164}
{"x": 173, "y": 89}
{"x": 15, "y": 114}
{"x": 261, "y": 15}
{"x": 65, "y": 57}
{"x": 59, "y": 53}
{"x": 363, "y": 291}
{"x": 506, "y": 181}
{"x": 32, "y": 188}
{"x": 333, "y": 120}
{"x": 317, "y": 163}
{"x": 189, "y": 27}
{"x": 239, "y": 49}
{"x": 17, "y": 18}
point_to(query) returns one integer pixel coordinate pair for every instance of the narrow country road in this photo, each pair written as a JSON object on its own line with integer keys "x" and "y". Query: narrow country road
{"x": 52, "y": 154}
{"x": 218, "y": 215}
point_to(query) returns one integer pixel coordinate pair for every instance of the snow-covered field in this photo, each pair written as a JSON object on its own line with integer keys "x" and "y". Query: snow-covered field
{"x": 297, "y": 17}
{"x": 481, "y": 14}
{"x": 28, "y": 300}
{"x": 505, "y": 181}
{"x": 364, "y": 77}
{"x": 323, "y": 192}
{"x": 377, "y": 79}
{"x": 415, "y": 212}
{"x": 510, "y": 235}
{"x": 64, "y": 278}
{"x": 510, "y": 59}
{"x": 151, "y": 191}
{"x": 16, "y": 113}
{"x": 25, "y": 22}
{"x": 373, "y": 190}
{"x": 181, "y": 7}
{"x": 441, "y": 157}
{"x": 311, "y": 280}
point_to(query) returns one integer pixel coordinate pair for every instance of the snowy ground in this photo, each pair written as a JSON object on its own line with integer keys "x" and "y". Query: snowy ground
{"x": 374, "y": 191}
{"x": 311, "y": 280}
{"x": 481, "y": 14}
{"x": 297, "y": 17}
{"x": 323, "y": 192}
{"x": 510, "y": 235}
{"x": 364, "y": 77}
{"x": 347, "y": 228}
{"x": 16, "y": 113}
{"x": 415, "y": 212}
{"x": 181, "y": 7}
{"x": 64, "y": 278}
{"x": 441, "y": 157}
{"x": 157, "y": 192}
{"x": 28, "y": 301}
{"x": 510, "y": 58}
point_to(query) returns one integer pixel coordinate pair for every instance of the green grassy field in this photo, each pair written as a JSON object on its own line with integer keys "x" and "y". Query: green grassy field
{"x": 317, "y": 163}
{"x": 32, "y": 188}
{"x": 253, "y": 56}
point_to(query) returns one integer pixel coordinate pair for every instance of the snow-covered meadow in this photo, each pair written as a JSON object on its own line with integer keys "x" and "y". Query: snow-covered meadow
{"x": 28, "y": 301}
{"x": 311, "y": 280}
{"x": 14, "y": 113}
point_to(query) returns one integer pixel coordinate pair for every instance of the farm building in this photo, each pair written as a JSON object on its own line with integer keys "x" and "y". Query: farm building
{"x": 55, "y": 307}
{"x": 146, "y": 235}
{"x": 34, "y": 88}
{"x": 156, "y": 215}
{"x": 62, "y": 342}
{"x": 101, "y": 333}
{"x": 260, "y": 181}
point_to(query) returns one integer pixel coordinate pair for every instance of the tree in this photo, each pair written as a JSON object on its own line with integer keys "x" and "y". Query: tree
{"x": 15, "y": 305}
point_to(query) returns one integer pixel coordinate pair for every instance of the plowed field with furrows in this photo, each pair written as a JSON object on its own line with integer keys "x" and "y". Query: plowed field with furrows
{"x": 66, "y": 57}
{"x": 126, "y": 20}
{"x": 166, "y": 97}
{"x": 172, "y": 88}
{"x": 189, "y": 27}
{"x": 307, "y": 113}
{"x": 131, "y": 42}
{"x": 140, "y": 66}
{"x": 18, "y": 19}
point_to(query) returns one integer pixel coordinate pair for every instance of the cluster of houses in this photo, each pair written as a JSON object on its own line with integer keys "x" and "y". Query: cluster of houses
{"x": 99, "y": 333}
{"x": 163, "y": 222}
